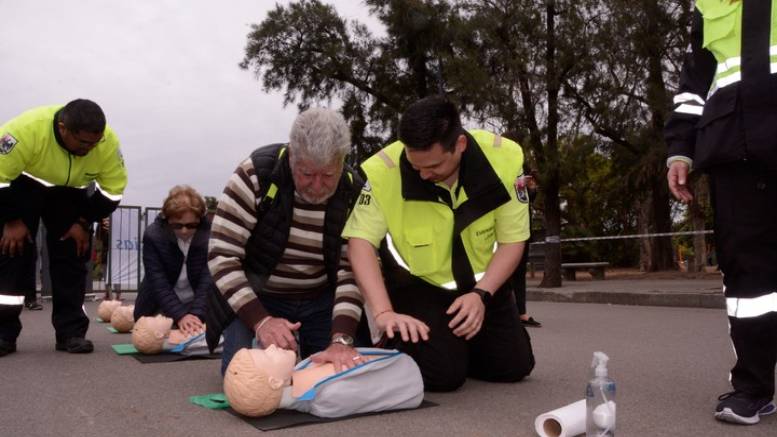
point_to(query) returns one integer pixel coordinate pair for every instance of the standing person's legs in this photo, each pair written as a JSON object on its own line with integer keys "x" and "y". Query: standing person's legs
{"x": 68, "y": 271}
{"x": 744, "y": 201}
{"x": 518, "y": 283}
{"x": 13, "y": 288}
{"x": 68, "y": 282}
{"x": 28, "y": 282}
{"x": 501, "y": 351}
{"x": 443, "y": 359}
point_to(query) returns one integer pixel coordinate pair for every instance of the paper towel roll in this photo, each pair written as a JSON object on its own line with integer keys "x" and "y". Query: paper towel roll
{"x": 566, "y": 421}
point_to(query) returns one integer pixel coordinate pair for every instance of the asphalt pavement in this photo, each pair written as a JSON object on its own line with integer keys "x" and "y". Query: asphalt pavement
{"x": 670, "y": 364}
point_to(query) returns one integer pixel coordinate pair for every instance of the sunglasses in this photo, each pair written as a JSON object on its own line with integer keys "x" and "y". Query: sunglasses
{"x": 179, "y": 226}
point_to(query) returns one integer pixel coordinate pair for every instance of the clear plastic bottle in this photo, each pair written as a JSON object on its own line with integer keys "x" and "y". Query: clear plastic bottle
{"x": 600, "y": 400}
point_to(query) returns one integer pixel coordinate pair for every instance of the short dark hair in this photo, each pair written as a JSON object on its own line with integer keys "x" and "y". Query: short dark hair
{"x": 433, "y": 119}
{"x": 83, "y": 115}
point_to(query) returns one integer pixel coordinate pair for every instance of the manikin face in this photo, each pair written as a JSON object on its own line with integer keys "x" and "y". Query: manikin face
{"x": 276, "y": 362}
{"x": 314, "y": 181}
{"x": 148, "y": 334}
{"x": 185, "y": 225}
{"x": 436, "y": 164}
{"x": 81, "y": 142}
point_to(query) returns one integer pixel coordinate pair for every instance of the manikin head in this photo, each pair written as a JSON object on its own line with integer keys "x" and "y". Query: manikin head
{"x": 318, "y": 143}
{"x": 255, "y": 378}
{"x": 149, "y": 334}
{"x": 122, "y": 318}
{"x": 106, "y": 308}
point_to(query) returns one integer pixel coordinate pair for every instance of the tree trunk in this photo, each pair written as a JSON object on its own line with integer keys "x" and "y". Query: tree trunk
{"x": 552, "y": 274}
{"x": 645, "y": 248}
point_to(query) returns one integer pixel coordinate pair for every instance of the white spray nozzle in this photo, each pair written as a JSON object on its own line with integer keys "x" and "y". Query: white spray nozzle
{"x": 599, "y": 363}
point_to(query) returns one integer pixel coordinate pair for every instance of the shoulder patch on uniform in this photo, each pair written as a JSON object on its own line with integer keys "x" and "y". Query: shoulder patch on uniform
{"x": 521, "y": 190}
{"x": 366, "y": 186}
{"x": 7, "y": 143}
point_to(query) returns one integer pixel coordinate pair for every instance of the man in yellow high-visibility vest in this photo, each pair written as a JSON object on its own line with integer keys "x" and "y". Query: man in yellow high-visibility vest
{"x": 48, "y": 158}
{"x": 444, "y": 200}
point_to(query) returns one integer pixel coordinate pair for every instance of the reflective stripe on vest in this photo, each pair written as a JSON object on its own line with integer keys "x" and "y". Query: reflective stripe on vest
{"x": 722, "y": 33}
{"x": 395, "y": 253}
{"x": 773, "y": 59}
{"x": 382, "y": 171}
{"x": 728, "y": 72}
{"x": 7, "y": 299}
{"x": 689, "y": 103}
{"x": 114, "y": 197}
{"x": 43, "y": 182}
{"x": 451, "y": 285}
{"x": 747, "y": 307}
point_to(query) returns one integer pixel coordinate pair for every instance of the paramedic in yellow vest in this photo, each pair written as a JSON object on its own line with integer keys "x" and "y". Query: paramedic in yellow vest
{"x": 724, "y": 123}
{"x": 48, "y": 158}
{"x": 444, "y": 201}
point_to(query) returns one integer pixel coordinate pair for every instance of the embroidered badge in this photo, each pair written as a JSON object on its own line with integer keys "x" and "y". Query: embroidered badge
{"x": 7, "y": 142}
{"x": 521, "y": 190}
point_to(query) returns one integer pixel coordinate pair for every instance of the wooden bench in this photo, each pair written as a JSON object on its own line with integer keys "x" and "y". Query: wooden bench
{"x": 596, "y": 269}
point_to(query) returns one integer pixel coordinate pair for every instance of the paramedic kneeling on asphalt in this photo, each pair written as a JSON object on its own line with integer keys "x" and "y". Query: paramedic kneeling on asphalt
{"x": 443, "y": 197}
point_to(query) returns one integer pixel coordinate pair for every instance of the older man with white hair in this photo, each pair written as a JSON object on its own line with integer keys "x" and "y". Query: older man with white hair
{"x": 275, "y": 249}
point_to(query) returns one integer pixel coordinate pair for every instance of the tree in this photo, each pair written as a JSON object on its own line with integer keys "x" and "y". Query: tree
{"x": 635, "y": 49}
{"x": 540, "y": 72}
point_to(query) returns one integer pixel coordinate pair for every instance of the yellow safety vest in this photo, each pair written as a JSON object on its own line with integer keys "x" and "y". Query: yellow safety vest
{"x": 30, "y": 148}
{"x": 722, "y": 36}
{"x": 420, "y": 233}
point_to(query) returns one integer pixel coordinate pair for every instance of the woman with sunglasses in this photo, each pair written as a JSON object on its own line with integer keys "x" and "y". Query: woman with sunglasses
{"x": 175, "y": 260}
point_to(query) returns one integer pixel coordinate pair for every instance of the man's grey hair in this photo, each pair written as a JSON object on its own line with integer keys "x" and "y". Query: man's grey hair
{"x": 320, "y": 135}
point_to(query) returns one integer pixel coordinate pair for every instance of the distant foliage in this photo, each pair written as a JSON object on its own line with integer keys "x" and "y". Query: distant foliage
{"x": 585, "y": 86}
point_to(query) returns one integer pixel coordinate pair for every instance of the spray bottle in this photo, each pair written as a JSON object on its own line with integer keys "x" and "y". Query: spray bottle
{"x": 600, "y": 400}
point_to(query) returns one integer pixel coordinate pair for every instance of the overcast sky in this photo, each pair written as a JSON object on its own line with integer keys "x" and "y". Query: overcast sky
{"x": 165, "y": 73}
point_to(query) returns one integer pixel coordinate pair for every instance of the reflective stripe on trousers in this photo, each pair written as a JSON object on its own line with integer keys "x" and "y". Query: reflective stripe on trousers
{"x": 746, "y": 307}
{"x": 7, "y": 299}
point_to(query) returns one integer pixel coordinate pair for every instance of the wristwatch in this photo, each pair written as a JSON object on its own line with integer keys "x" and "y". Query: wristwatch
{"x": 343, "y": 339}
{"x": 485, "y": 296}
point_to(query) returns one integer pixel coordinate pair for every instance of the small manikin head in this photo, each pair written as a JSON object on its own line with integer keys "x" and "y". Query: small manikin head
{"x": 122, "y": 318}
{"x": 254, "y": 380}
{"x": 149, "y": 334}
{"x": 106, "y": 308}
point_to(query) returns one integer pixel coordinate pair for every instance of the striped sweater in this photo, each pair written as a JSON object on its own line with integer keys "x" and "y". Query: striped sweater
{"x": 300, "y": 273}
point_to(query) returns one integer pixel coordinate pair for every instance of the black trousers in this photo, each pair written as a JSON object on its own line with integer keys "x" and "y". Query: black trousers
{"x": 500, "y": 352}
{"x": 29, "y": 285}
{"x": 68, "y": 271}
{"x": 744, "y": 200}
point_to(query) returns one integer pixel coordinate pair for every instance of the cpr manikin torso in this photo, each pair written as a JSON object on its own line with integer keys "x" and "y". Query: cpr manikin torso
{"x": 154, "y": 335}
{"x": 105, "y": 309}
{"x": 258, "y": 381}
{"x": 122, "y": 318}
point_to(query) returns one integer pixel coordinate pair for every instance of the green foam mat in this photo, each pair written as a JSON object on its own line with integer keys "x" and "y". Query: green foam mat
{"x": 124, "y": 349}
{"x": 212, "y": 401}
